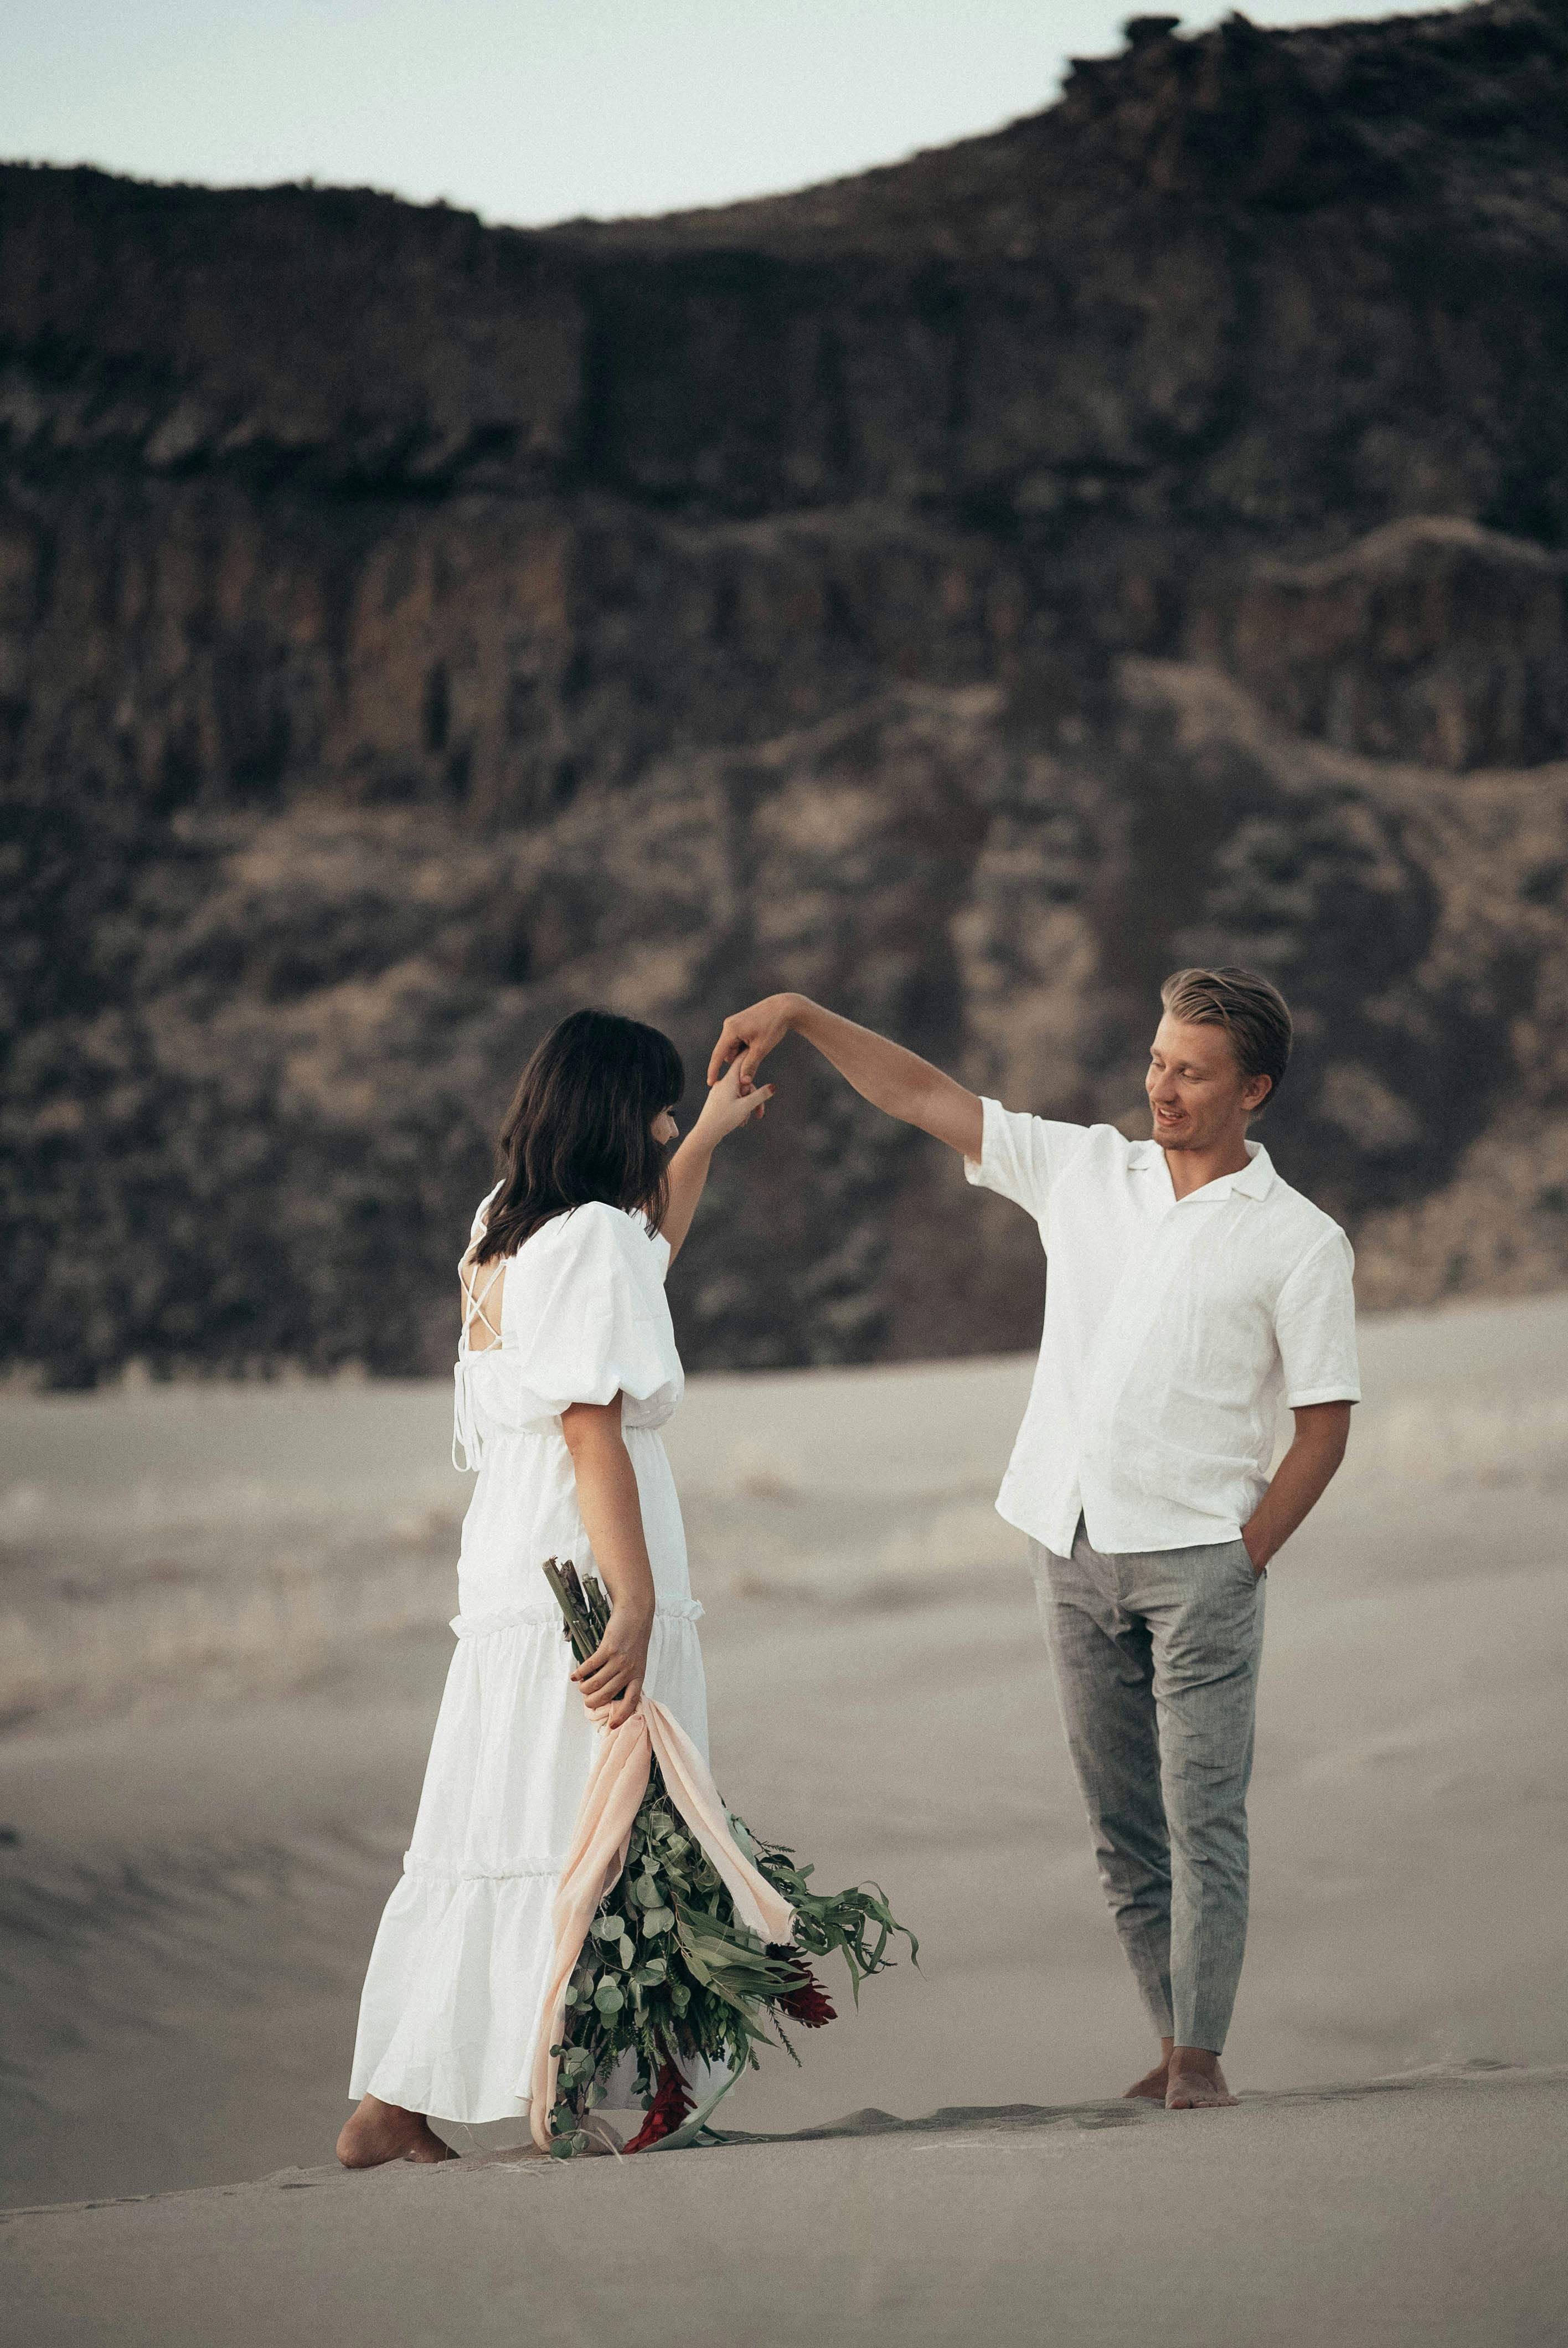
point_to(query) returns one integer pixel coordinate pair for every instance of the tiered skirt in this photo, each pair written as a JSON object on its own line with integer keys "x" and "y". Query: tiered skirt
{"x": 459, "y": 1968}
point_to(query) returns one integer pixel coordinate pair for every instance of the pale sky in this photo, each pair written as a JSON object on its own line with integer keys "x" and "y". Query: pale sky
{"x": 535, "y": 110}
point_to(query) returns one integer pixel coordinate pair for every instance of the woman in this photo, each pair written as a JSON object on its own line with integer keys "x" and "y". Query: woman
{"x": 566, "y": 1368}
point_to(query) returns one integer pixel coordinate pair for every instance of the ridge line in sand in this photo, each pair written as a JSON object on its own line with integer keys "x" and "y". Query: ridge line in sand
{"x": 979, "y": 2119}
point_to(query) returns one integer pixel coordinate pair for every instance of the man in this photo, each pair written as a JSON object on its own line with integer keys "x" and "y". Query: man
{"x": 1189, "y": 1287}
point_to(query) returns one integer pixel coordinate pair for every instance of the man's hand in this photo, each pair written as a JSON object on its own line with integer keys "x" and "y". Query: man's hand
{"x": 748, "y": 1036}
{"x": 1254, "y": 1541}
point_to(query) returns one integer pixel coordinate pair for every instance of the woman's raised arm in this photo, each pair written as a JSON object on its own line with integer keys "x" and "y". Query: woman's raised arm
{"x": 726, "y": 1108}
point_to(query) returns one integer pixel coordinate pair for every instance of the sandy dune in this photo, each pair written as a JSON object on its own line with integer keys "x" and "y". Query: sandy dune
{"x": 228, "y": 1669}
{"x": 1428, "y": 2213}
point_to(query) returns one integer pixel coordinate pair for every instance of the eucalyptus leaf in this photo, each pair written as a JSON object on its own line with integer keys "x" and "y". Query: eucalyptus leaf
{"x": 742, "y": 1834}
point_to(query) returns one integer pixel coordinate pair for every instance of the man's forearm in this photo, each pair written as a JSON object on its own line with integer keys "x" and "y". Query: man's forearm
{"x": 1302, "y": 1475}
{"x": 891, "y": 1077}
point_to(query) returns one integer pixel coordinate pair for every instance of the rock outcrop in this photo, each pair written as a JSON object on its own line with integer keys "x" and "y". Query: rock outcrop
{"x": 1431, "y": 640}
{"x": 963, "y": 591}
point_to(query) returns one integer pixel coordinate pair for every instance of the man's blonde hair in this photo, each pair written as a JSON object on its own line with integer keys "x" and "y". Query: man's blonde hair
{"x": 1254, "y": 1014}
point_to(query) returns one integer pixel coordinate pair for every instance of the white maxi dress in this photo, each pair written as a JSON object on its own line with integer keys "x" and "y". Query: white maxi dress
{"x": 457, "y": 1973}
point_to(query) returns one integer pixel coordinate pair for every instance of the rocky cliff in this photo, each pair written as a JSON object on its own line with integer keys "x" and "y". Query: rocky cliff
{"x": 962, "y": 592}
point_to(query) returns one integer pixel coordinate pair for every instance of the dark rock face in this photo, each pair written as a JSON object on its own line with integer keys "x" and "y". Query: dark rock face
{"x": 963, "y": 592}
{"x": 1428, "y": 639}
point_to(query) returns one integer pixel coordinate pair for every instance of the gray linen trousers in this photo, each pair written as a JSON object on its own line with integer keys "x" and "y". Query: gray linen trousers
{"x": 1155, "y": 1656}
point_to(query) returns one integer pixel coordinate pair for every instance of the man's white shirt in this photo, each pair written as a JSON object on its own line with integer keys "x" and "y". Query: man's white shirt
{"x": 1172, "y": 1327}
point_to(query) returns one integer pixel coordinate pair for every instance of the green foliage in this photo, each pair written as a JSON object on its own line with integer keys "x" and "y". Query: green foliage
{"x": 844, "y": 1921}
{"x": 709, "y": 1992}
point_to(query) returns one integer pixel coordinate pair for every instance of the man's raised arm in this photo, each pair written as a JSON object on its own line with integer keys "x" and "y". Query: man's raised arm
{"x": 883, "y": 1073}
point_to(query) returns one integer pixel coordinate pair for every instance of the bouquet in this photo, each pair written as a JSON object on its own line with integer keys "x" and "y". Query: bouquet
{"x": 667, "y": 1973}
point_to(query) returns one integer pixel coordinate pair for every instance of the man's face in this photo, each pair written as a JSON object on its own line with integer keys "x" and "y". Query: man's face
{"x": 1198, "y": 1098}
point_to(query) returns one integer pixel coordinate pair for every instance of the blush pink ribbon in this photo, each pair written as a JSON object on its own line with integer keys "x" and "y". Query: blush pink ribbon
{"x": 594, "y": 1863}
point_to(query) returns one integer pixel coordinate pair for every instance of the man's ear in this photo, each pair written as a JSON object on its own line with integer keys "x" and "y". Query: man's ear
{"x": 1254, "y": 1092}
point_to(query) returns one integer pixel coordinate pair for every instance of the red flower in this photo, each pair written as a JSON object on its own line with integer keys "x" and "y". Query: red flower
{"x": 807, "y": 2002}
{"x": 672, "y": 2102}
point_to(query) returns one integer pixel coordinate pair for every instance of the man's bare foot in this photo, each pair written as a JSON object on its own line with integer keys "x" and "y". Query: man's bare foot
{"x": 1151, "y": 2086}
{"x": 379, "y": 2132}
{"x": 1195, "y": 2082}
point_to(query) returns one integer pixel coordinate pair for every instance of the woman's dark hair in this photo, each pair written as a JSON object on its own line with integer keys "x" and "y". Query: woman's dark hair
{"x": 581, "y": 1127}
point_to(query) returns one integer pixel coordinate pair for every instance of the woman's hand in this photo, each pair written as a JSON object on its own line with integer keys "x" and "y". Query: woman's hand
{"x": 731, "y": 1103}
{"x": 612, "y": 1679}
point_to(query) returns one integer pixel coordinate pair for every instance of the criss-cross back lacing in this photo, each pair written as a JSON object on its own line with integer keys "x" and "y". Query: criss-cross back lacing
{"x": 467, "y": 1438}
{"x": 475, "y": 1300}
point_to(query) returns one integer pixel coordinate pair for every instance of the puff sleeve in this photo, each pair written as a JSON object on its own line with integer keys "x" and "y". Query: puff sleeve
{"x": 596, "y": 1321}
{"x": 584, "y": 1318}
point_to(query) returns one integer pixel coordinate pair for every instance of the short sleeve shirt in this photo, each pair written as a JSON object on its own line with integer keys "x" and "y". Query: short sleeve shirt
{"x": 1172, "y": 1329}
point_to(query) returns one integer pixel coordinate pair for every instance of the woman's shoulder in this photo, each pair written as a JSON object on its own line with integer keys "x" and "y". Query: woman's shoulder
{"x": 586, "y": 1298}
{"x": 597, "y": 1230}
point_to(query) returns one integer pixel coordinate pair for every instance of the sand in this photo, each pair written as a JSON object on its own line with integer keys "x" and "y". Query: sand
{"x": 1426, "y": 2213}
{"x": 233, "y": 1649}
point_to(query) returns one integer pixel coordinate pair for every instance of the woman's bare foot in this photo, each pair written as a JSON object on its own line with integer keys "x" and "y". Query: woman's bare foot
{"x": 1153, "y": 2085}
{"x": 1195, "y": 2082}
{"x": 379, "y": 2132}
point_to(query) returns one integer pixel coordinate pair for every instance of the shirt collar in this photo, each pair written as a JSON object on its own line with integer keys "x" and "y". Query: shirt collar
{"x": 1258, "y": 1178}
{"x": 1256, "y": 1181}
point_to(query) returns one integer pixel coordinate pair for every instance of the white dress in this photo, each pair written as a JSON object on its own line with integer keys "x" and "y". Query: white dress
{"x": 458, "y": 1971}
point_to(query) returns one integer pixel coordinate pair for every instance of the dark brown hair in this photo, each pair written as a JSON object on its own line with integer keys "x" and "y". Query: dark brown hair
{"x": 581, "y": 1127}
{"x": 1254, "y": 1014}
